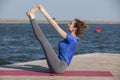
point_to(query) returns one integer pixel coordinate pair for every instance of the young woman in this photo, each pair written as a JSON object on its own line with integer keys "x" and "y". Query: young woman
{"x": 57, "y": 64}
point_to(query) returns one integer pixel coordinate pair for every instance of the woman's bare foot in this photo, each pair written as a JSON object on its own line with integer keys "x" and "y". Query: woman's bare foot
{"x": 31, "y": 13}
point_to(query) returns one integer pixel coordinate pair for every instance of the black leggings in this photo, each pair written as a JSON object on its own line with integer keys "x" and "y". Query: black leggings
{"x": 54, "y": 63}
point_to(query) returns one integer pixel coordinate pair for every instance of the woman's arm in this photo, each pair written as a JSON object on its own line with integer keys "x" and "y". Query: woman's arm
{"x": 61, "y": 32}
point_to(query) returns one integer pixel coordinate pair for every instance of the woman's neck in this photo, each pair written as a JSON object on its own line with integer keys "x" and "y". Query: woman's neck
{"x": 73, "y": 34}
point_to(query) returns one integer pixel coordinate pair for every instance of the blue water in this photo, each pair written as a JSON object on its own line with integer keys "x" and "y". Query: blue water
{"x": 18, "y": 43}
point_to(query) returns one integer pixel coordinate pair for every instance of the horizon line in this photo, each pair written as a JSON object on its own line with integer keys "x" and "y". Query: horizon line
{"x": 59, "y": 21}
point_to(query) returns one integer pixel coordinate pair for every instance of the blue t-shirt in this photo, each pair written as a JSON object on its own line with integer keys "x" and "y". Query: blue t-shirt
{"x": 67, "y": 48}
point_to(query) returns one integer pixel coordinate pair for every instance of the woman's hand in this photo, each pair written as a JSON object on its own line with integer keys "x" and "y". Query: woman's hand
{"x": 41, "y": 8}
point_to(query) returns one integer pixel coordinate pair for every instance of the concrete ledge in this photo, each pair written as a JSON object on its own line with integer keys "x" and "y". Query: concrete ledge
{"x": 87, "y": 62}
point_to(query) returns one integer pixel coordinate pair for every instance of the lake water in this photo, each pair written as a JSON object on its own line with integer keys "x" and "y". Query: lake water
{"x": 18, "y": 43}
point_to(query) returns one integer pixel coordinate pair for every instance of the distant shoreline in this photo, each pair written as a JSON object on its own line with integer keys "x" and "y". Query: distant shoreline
{"x": 59, "y": 21}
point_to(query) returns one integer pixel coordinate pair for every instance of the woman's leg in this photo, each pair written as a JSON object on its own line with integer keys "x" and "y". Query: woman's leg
{"x": 54, "y": 64}
{"x": 53, "y": 61}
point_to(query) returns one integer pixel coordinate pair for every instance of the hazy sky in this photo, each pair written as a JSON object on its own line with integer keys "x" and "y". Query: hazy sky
{"x": 107, "y": 10}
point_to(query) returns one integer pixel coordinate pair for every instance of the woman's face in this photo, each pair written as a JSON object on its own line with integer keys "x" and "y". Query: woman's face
{"x": 71, "y": 27}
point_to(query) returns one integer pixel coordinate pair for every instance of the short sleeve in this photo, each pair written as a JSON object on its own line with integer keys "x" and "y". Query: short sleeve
{"x": 69, "y": 38}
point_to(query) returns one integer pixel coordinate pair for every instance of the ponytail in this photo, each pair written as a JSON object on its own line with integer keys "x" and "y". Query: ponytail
{"x": 80, "y": 25}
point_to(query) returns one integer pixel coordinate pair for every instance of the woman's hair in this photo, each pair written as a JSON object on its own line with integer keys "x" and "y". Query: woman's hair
{"x": 80, "y": 25}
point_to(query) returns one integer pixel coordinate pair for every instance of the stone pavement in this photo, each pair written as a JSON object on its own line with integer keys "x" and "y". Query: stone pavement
{"x": 86, "y": 62}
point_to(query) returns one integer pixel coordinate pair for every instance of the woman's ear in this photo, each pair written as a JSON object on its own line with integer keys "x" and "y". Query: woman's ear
{"x": 75, "y": 28}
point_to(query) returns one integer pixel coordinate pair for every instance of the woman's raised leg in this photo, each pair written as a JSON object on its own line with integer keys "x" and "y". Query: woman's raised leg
{"x": 55, "y": 65}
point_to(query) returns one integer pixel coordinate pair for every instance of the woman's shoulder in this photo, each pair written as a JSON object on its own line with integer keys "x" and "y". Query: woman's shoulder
{"x": 70, "y": 37}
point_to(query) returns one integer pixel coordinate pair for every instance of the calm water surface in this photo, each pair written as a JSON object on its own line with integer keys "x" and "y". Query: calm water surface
{"x": 18, "y": 43}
